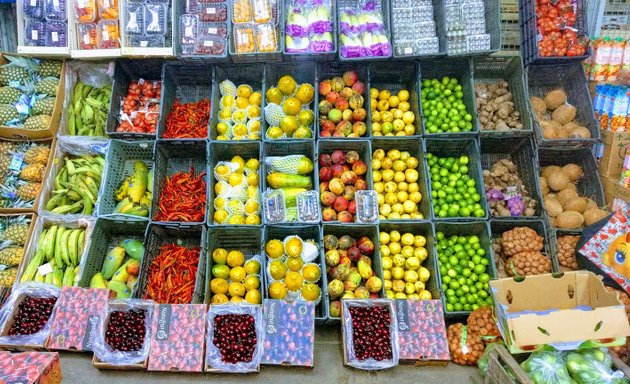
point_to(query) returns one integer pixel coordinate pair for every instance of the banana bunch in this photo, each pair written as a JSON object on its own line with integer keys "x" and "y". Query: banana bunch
{"x": 136, "y": 192}
{"x": 76, "y": 185}
{"x": 88, "y": 109}
{"x": 62, "y": 248}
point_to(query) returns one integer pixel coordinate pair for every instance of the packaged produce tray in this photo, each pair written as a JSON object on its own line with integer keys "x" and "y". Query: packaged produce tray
{"x": 240, "y": 32}
{"x": 307, "y": 54}
{"x": 405, "y": 49}
{"x": 158, "y": 37}
{"x": 200, "y": 40}
{"x": 382, "y": 8}
{"x": 492, "y": 16}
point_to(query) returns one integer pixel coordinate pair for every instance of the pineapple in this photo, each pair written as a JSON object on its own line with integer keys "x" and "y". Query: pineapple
{"x": 28, "y": 191}
{"x": 37, "y": 154}
{"x": 11, "y": 256}
{"x": 7, "y": 277}
{"x": 6, "y": 147}
{"x": 43, "y": 106}
{"x": 17, "y": 231}
{"x": 16, "y": 72}
{"x": 33, "y": 172}
{"x": 5, "y": 161}
{"x": 48, "y": 86}
{"x": 49, "y": 68}
{"x": 7, "y": 113}
{"x": 36, "y": 123}
{"x": 9, "y": 95}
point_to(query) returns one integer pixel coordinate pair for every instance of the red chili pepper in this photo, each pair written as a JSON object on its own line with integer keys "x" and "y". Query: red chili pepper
{"x": 183, "y": 198}
{"x": 172, "y": 275}
{"x": 188, "y": 120}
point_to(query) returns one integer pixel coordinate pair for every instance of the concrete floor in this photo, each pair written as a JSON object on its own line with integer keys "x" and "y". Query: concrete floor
{"x": 77, "y": 368}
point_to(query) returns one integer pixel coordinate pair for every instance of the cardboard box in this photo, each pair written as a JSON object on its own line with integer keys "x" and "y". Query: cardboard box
{"x": 615, "y": 144}
{"x": 564, "y": 312}
{"x": 613, "y": 190}
{"x": 30, "y": 368}
{"x": 422, "y": 332}
{"x": 289, "y": 333}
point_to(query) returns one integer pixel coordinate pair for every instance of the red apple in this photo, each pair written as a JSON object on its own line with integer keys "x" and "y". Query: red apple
{"x": 332, "y": 97}
{"x": 359, "y": 128}
{"x": 359, "y": 114}
{"x": 324, "y": 160}
{"x": 341, "y": 104}
{"x": 358, "y": 87}
{"x": 328, "y": 198}
{"x": 324, "y": 87}
{"x": 336, "y": 186}
{"x": 325, "y": 174}
{"x": 337, "y": 170}
{"x": 338, "y": 157}
{"x": 325, "y": 134}
{"x": 352, "y": 207}
{"x": 350, "y": 78}
{"x": 323, "y": 186}
{"x": 341, "y": 204}
{"x": 360, "y": 185}
{"x": 329, "y": 214}
{"x": 365, "y": 245}
{"x": 345, "y": 217}
{"x": 359, "y": 167}
{"x": 327, "y": 125}
{"x": 348, "y": 178}
{"x": 354, "y": 254}
{"x": 337, "y": 134}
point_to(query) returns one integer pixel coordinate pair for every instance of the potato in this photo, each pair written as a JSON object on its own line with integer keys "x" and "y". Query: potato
{"x": 543, "y": 185}
{"x": 594, "y": 215}
{"x": 554, "y": 99}
{"x": 580, "y": 132}
{"x": 549, "y": 133}
{"x": 550, "y": 195}
{"x": 563, "y": 133}
{"x": 574, "y": 172}
{"x": 590, "y": 204}
{"x": 577, "y": 204}
{"x": 564, "y": 114}
{"x": 558, "y": 181}
{"x": 553, "y": 207}
{"x": 538, "y": 105}
{"x": 569, "y": 219}
{"x": 550, "y": 170}
{"x": 571, "y": 186}
{"x": 567, "y": 194}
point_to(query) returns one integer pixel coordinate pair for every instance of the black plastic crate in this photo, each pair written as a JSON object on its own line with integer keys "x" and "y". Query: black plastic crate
{"x": 247, "y": 240}
{"x": 415, "y": 148}
{"x": 493, "y": 69}
{"x": 127, "y": 71}
{"x": 172, "y": 157}
{"x": 310, "y": 56}
{"x": 158, "y": 235}
{"x": 188, "y": 83}
{"x": 457, "y": 148}
{"x": 521, "y": 152}
{"x": 492, "y": 15}
{"x": 394, "y": 77}
{"x": 440, "y": 33}
{"x": 460, "y": 69}
{"x": 353, "y": 5}
{"x": 305, "y": 232}
{"x": 571, "y": 78}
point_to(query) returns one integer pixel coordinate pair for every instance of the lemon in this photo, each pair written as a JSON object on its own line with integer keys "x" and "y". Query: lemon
{"x": 311, "y": 273}
{"x": 252, "y": 267}
{"x": 241, "y": 102}
{"x": 277, "y": 290}
{"x": 274, "y": 249}
{"x": 255, "y": 99}
{"x": 238, "y": 274}
{"x": 305, "y": 93}
{"x": 253, "y": 179}
{"x": 403, "y": 95}
{"x": 293, "y": 247}
{"x": 253, "y": 297}
{"x": 277, "y": 269}
{"x": 236, "y": 299}
{"x": 288, "y": 124}
{"x": 227, "y": 102}
{"x": 235, "y": 258}
{"x": 252, "y": 219}
{"x": 236, "y": 289}
{"x": 274, "y": 132}
{"x": 423, "y": 274}
{"x": 251, "y": 282}
{"x": 373, "y": 93}
{"x": 253, "y": 126}
{"x": 311, "y": 292}
{"x": 274, "y": 95}
{"x": 287, "y": 85}
{"x": 225, "y": 115}
{"x": 244, "y": 90}
{"x": 293, "y": 281}
{"x": 219, "y": 298}
{"x": 407, "y": 239}
{"x": 239, "y": 129}
{"x": 223, "y": 128}
{"x": 222, "y": 170}
{"x": 295, "y": 263}
{"x": 235, "y": 179}
{"x": 218, "y": 285}
{"x": 219, "y": 256}
{"x": 220, "y": 215}
{"x": 251, "y": 206}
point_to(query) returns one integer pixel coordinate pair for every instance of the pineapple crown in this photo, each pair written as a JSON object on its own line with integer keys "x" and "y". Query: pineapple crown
{"x": 22, "y": 62}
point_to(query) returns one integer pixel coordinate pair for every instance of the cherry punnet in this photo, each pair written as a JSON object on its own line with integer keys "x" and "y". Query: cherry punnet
{"x": 125, "y": 331}
{"x": 370, "y": 333}
{"x": 235, "y": 337}
{"x": 32, "y": 315}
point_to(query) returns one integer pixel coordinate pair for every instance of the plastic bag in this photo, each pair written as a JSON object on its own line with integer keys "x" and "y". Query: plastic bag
{"x": 28, "y": 289}
{"x": 593, "y": 366}
{"x": 213, "y": 355}
{"x": 482, "y": 363}
{"x": 348, "y": 335}
{"x": 546, "y": 368}
{"x": 105, "y": 353}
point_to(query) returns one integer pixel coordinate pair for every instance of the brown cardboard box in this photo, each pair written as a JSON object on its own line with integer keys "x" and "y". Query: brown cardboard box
{"x": 615, "y": 144}
{"x": 534, "y": 313}
{"x": 612, "y": 190}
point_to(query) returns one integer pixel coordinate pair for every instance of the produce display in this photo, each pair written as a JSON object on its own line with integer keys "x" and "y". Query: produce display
{"x": 135, "y": 194}
{"x": 506, "y": 193}
{"x": 235, "y": 277}
{"x": 362, "y": 31}
{"x": 453, "y": 189}
{"x": 76, "y": 186}
{"x": 495, "y": 107}
{"x": 396, "y": 177}
{"x": 309, "y": 27}
{"x": 28, "y": 91}
{"x": 413, "y": 28}
{"x": 45, "y": 23}
{"x": 239, "y": 113}
{"x": 463, "y": 272}
{"x": 147, "y": 25}
{"x": 22, "y": 170}
{"x": 13, "y": 234}
{"x": 125, "y": 330}
{"x": 171, "y": 275}
{"x": 140, "y": 109}
{"x": 341, "y": 112}
{"x": 97, "y": 24}
{"x": 120, "y": 269}
{"x": 566, "y": 252}
{"x": 564, "y": 206}
{"x": 443, "y": 106}
{"x": 465, "y": 22}
{"x": 293, "y": 269}
{"x": 57, "y": 257}
{"x": 32, "y": 315}
{"x": 88, "y": 109}
{"x": 519, "y": 252}
{"x": 557, "y": 117}
{"x": 254, "y": 27}
{"x": 349, "y": 270}
{"x": 556, "y": 25}
{"x": 237, "y": 191}
{"x": 341, "y": 175}
{"x": 188, "y": 120}
{"x": 403, "y": 274}
{"x": 390, "y": 113}
{"x": 287, "y": 110}
{"x": 182, "y": 198}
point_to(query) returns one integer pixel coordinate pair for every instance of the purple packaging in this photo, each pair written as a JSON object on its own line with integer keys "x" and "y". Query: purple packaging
{"x": 289, "y": 333}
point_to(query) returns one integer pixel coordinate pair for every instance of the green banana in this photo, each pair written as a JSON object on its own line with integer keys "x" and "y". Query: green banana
{"x": 31, "y": 267}
{"x": 150, "y": 181}
{"x": 57, "y": 250}
{"x": 88, "y": 109}
{"x": 68, "y": 208}
{"x": 39, "y": 278}
{"x": 81, "y": 243}
{"x": 50, "y": 242}
{"x": 72, "y": 247}
{"x": 77, "y": 185}
{"x": 48, "y": 279}
{"x": 57, "y": 277}
{"x": 122, "y": 205}
{"x": 68, "y": 277}
{"x": 64, "y": 247}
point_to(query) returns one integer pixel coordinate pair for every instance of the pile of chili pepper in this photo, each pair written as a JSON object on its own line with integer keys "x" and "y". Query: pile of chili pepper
{"x": 188, "y": 120}
{"x": 172, "y": 275}
{"x": 183, "y": 197}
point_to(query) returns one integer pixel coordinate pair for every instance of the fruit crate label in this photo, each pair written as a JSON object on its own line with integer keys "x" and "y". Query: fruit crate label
{"x": 402, "y": 313}
{"x": 16, "y": 162}
{"x": 212, "y": 31}
{"x": 289, "y": 333}
{"x": 34, "y": 34}
{"x": 422, "y": 331}
{"x": 45, "y": 269}
{"x": 208, "y": 43}
{"x": 90, "y": 331}
{"x": 55, "y": 36}
{"x": 164, "y": 320}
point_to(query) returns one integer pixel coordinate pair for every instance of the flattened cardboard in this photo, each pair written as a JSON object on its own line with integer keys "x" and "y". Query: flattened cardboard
{"x": 565, "y": 312}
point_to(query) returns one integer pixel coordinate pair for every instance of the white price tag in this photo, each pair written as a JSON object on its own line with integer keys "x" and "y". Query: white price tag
{"x": 56, "y": 4}
{"x": 188, "y": 31}
{"x": 34, "y": 34}
{"x": 213, "y": 31}
{"x": 208, "y": 43}
{"x": 86, "y": 39}
{"x": 105, "y": 3}
{"x": 408, "y": 51}
{"x": 105, "y": 35}
{"x": 211, "y": 11}
{"x": 144, "y": 43}
{"x": 33, "y": 3}
{"x": 45, "y": 269}
{"x": 55, "y": 36}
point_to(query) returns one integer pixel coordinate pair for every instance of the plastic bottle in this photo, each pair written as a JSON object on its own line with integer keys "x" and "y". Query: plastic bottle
{"x": 615, "y": 60}
{"x": 620, "y": 109}
{"x": 606, "y": 111}
{"x": 602, "y": 56}
{"x": 588, "y": 62}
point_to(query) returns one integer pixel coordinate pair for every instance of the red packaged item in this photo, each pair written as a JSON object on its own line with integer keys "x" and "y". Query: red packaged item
{"x": 141, "y": 107}
{"x": 558, "y": 36}
{"x": 30, "y": 368}
{"x": 422, "y": 331}
{"x": 177, "y": 337}
{"x": 76, "y": 318}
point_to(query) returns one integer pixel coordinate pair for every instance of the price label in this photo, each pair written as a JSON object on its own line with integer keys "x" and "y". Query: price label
{"x": 34, "y": 34}
{"x": 105, "y": 3}
{"x": 105, "y": 35}
{"x": 408, "y": 51}
{"x": 211, "y": 11}
{"x": 144, "y": 43}
{"x": 16, "y": 162}
{"x": 86, "y": 39}
{"x": 33, "y": 3}
{"x": 213, "y": 31}
{"x": 56, "y": 4}
{"x": 45, "y": 269}
{"x": 55, "y": 36}
{"x": 208, "y": 43}
{"x": 188, "y": 31}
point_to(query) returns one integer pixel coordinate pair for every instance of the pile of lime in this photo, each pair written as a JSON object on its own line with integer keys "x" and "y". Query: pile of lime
{"x": 443, "y": 106}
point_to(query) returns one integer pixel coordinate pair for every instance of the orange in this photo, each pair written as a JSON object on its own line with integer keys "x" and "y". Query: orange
{"x": 252, "y": 267}
{"x": 253, "y": 297}
{"x": 255, "y": 99}
{"x": 293, "y": 247}
{"x": 236, "y": 289}
{"x": 311, "y": 292}
{"x": 251, "y": 282}
{"x": 295, "y": 263}
{"x": 277, "y": 269}
{"x": 274, "y": 249}
{"x": 277, "y": 290}
{"x": 288, "y": 124}
{"x": 311, "y": 273}
{"x": 293, "y": 281}
{"x": 238, "y": 274}
{"x": 219, "y": 298}
{"x": 292, "y": 106}
{"x": 218, "y": 285}
{"x": 219, "y": 256}
{"x": 305, "y": 93}
{"x": 235, "y": 258}
{"x": 287, "y": 85}
{"x": 274, "y": 95}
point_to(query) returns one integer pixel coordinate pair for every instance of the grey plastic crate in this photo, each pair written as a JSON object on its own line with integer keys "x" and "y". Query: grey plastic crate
{"x": 327, "y": 71}
{"x": 201, "y": 57}
{"x": 188, "y": 83}
{"x": 158, "y": 235}
{"x": 438, "y": 15}
{"x": 306, "y": 148}
{"x": 127, "y": 71}
{"x": 480, "y": 229}
{"x": 107, "y": 234}
{"x": 363, "y": 148}
{"x": 310, "y": 56}
{"x": 492, "y": 14}
{"x": 172, "y": 157}
{"x": 225, "y": 151}
{"x": 302, "y": 72}
{"x": 498, "y": 226}
{"x": 247, "y": 240}
{"x": 122, "y": 156}
{"x": 424, "y": 229}
{"x": 277, "y": 10}
{"x": 492, "y": 69}
{"x": 457, "y": 148}
{"x": 571, "y": 78}
{"x": 521, "y": 152}
{"x": 305, "y": 232}
{"x": 252, "y": 74}
{"x": 461, "y": 69}
{"x": 383, "y": 5}
{"x": 415, "y": 148}
{"x": 356, "y": 231}
{"x": 394, "y": 77}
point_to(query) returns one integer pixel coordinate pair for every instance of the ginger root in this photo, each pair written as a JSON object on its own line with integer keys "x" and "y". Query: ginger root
{"x": 495, "y": 107}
